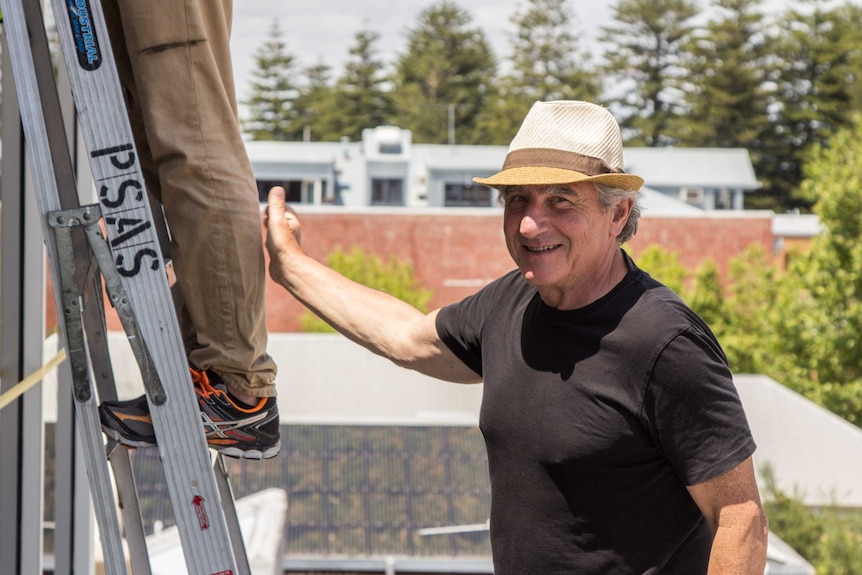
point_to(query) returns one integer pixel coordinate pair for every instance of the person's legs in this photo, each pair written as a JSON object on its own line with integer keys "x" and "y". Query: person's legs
{"x": 180, "y": 86}
{"x": 173, "y": 60}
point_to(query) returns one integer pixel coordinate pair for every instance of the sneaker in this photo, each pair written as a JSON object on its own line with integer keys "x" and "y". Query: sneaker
{"x": 128, "y": 422}
{"x": 232, "y": 428}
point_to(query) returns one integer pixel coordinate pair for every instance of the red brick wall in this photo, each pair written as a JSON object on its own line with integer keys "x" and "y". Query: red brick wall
{"x": 454, "y": 254}
{"x": 470, "y": 247}
{"x": 719, "y": 238}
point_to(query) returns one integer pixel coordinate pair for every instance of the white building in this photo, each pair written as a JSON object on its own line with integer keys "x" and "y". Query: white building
{"x": 387, "y": 169}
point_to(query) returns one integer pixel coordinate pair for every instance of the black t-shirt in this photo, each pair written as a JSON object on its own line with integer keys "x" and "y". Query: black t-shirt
{"x": 595, "y": 420}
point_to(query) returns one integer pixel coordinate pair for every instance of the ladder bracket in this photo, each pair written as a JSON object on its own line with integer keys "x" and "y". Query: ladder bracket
{"x": 87, "y": 218}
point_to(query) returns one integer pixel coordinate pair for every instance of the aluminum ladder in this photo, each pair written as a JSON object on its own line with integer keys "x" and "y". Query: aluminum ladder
{"x": 128, "y": 258}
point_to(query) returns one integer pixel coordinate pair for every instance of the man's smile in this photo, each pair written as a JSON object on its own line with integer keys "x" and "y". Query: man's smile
{"x": 540, "y": 249}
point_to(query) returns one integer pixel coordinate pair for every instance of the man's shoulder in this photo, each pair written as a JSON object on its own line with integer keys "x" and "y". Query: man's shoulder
{"x": 510, "y": 286}
{"x": 662, "y": 309}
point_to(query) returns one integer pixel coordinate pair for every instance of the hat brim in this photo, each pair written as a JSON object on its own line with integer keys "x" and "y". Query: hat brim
{"x": 541, "y": 176}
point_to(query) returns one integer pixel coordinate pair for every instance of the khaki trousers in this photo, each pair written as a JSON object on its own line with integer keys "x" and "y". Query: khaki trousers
{"x": 173, "y": 57}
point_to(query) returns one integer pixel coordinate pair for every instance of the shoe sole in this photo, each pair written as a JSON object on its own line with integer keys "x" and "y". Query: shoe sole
{"x": 125, "y": 442}
{"x": 234, "y": 452}
{"x": 238, "y": 453}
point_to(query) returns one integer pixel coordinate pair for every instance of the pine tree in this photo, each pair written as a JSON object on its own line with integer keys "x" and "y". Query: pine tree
{"x": 361, "y": 97}
{"x": 547, "y": 64}
{"x": 644, "y": 64}
{"x": 727, "y": 75}
{"x": 270, "y": 113}
{"x": 442, "y": 81}
{"x": 314, "y": 108}
{"x": 818, "y": 65}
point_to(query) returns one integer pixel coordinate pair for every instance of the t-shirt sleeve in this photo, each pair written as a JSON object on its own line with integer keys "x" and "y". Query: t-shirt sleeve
{"x": 460, "y": 328}
{"x": 461, "y": 325}
{"x": 694, "y": 411}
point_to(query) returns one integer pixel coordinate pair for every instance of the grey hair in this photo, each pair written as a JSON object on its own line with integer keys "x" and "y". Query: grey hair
{"x": 609, "y": 197}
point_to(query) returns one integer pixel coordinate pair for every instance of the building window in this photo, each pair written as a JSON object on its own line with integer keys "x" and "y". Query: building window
{"x": 468, "y": 195}
{"x": 723, "y": 199}
{"x": 387, "y": 192}
{"x": 296, "y": 191}
{"x": 691, "y": 195}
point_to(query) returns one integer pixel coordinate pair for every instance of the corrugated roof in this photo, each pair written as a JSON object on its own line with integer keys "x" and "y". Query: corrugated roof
{"x": 815, "y": 455}
{"x": 677, "y": 167}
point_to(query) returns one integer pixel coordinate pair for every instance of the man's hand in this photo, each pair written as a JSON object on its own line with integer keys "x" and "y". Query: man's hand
{"x": 283, "y": 233}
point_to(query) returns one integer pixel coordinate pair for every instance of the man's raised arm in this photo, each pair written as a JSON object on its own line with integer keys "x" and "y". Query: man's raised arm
{"x": 379, "y": 322}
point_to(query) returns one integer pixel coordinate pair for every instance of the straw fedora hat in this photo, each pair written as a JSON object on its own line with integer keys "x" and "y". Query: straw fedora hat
{"x": 563, "y": 142}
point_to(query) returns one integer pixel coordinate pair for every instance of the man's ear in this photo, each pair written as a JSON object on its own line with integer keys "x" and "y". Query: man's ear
{"x": 622, "y": 211}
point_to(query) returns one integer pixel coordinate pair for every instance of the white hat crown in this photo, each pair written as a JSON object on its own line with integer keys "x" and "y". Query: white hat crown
{"x": 564, "y": 142}
{"x": 579, "y": 127}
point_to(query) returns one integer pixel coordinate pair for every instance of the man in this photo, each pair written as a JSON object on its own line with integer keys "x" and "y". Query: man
{"x": 616, "y": 440}
{"x": 173, "y": 59}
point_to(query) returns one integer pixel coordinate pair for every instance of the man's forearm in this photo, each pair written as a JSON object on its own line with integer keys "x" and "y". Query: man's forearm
{"x": 378, "y": 321}
{"x": 739, "y": 546}
{"x": 367, "y": 316}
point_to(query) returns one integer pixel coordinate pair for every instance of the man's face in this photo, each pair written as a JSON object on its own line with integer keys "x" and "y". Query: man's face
{"x": 561, "y": 237}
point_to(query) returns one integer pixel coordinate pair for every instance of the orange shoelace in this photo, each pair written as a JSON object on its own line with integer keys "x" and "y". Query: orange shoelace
{"x": 204, "y": 388}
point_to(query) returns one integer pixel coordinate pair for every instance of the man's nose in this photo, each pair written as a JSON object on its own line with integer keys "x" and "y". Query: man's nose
{"x": 532, "y": 222}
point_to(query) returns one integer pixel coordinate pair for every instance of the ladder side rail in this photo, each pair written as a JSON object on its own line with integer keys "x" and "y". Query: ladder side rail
{"x": 133, "y": 524}
{"x": 75, "y": 522}
{"x": 231, "y": 515}
{"x": 117, "y": 296}
{"x": 52, "y": 176}
{"x": 119, "y": 459}
{"x": 13, "y": 192}
{"x": 21, "y": 435}
{"x": 134, "y": 245}
{"x": 120, "y": 300}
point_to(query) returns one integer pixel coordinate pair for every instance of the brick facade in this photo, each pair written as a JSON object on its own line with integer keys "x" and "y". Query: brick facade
{"x": 455, "y": 252}
{"x": 454, "y": 255}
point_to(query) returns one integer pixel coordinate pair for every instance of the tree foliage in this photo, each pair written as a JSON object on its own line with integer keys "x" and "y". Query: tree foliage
{"x": 547, "y": 63}
{"x": 361, "y": 98}
{"x": 801, "y": 325}
{"x": 441, "y": 82}
{"x": 664, "y": 266}
{"x": 775, "y": 83}
{"x": 726, "y": 72}
{"x": 831, "y": 272}
{"x": 816, "y": 57}
{"x": 547, "y": 59}
{"x": 645, "y": 61}
{"x": 395, "y": 277}
{"x": 826, "y": 538}
{"x": 315, "y": 109}
{"x": 271, "y": 115}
